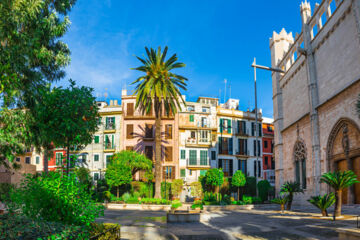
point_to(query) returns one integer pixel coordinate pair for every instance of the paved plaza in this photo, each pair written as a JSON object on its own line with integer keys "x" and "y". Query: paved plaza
{"x": 263, "y": 222}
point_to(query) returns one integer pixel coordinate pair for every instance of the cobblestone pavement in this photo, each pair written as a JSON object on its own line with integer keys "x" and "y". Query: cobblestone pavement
{"x": 263, "y": 222}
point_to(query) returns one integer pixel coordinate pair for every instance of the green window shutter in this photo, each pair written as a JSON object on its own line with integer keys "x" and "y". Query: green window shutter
{"x": 203, "y": 157}
{"x": 96, "y": 139}
{"x": 182, "y": 154}
{"x": 182, "y": 173}
{"x": 229, "y": 126}
{"x": 192, "y": 156}
{"x": 96, "y": 158}
{"x": 37, "y": 160}
{"x": 221, "y": 124}
{"x": 191, "y": 118}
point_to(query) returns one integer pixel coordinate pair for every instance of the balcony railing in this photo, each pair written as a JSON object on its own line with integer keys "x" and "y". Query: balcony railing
{"x": 201, "y": 141}
{"x": 110, "y": 126}
{"x": 109, "y": 146}
{"x": 242, "y": 132}
{"x": 243, "y": 153}
{"x": 197, "y": 162}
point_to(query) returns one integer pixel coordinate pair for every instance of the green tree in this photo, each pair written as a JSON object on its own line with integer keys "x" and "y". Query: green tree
{"x": 158, "y": 89}
{"x": 214, "y": 177}
{"x": 31, "y": 54}
{"x": 339, "y": 181}
{"x": 238, "y": 180}
{"x": 291, "y": 188}
{"x": 117, "y": 174}
{"x": 176, "y": 187}
{"x": 134, "y": 160}
{"x": 323, "y": 202}
{"x": 263, "y": 189}
{"x": 83, "y": 175}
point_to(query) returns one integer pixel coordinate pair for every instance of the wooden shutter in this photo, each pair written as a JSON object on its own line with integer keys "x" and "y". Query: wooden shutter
{"x": 168, "y": 131}
{"x": 168, "y": 154}
{"x": 230, "y": 168}
{"x": 252, "y": 129}
{"x": 172, "y": 172}
{"x": 129, "y": 131}
{"x": 220, "y": 163}
{"x": 130, "y": 109}
{"x": 229, "y": 126}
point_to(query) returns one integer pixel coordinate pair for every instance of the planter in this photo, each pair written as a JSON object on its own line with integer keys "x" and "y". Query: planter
{"x": 182, "y": 216}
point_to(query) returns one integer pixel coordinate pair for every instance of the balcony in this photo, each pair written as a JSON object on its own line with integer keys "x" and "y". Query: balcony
{"x": 198, "y": 163}
{"x": 196, "y": 142}
{"x": 241, "y": 133}
{"x": 109, "y": 147}
{"x": 243, "y": 153}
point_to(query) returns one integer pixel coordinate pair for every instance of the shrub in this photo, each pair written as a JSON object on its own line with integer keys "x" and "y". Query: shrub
{"x": 132, "y": 200}
{"x": 155, "y": 201}
{"x": 323, "y": 202}
{"x": 176, "y": 204}
{"x": 5, "y": 189}
{"x": 196, "y": 189}
{"x": 55, "y": 197}
{"x": 225, "y": 187}
{"x": 210, "y": 196}
{"x": 250, "y": 186}
{"x": 225, "y": 200}
{"x": 256, "y": 200}
{"x": 281, "y": 200}
{"x": 291, "y": 188}
{"x": 97, "y": 230}
{"x": 263, "y": 188}
{"x": 146, "y": 190}
{"x": 247, "y": 199}
{"x": 168, "y": 190}
{"x": 126, "y": 196}
{"x": 135, "y": 186}
{"x": 176, "y": 187}
{"x": 114, "y": 199}
{"x": 197, "y": 204}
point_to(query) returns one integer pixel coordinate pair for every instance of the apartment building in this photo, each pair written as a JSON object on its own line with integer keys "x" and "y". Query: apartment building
{"x": 197, "y": 138}
{"x": 237, "y": 146}
{"x": 139, "y": 135}
{"x": 268, "y": 150}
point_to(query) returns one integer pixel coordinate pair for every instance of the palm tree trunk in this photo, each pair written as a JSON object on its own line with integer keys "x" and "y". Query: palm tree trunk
{"x": 338, "y": 202}
{"x": 324, "y": 213}
{"x": 288, "y": 207}
{"x": 158, "y": 172}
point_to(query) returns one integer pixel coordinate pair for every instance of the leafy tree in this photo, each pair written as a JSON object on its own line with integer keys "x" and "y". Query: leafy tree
{"x": 238, "y": 180}
{"x": 196, "y": 190}
{"x": 323, "y": 202}
{"x": 263, "y": 189}
{"x": 83, "y": 175}
{"x": 291, "y": 188}
{"x": 158, "y": 89}
{"x": 339, "y": 181}
{"x": 134, "y": 160}
{"x": 176, "y": 187}
{"x": 117, "y": 174}
{"x": 56, "y": 198}
{"x": 214, "y": 177}
{"x": 31, "y": 54}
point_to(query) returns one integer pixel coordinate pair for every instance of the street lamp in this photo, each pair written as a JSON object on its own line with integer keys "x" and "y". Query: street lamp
{"x": 256, "y": 110}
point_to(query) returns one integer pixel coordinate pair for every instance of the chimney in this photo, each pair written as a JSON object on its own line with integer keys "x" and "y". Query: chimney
{"x": 123, "y": 92}
{"x": 111, "y": 102}
{"x": 279, "y": 45}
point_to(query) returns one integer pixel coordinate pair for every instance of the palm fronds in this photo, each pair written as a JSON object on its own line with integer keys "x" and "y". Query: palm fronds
{"x": 339, "y": 180}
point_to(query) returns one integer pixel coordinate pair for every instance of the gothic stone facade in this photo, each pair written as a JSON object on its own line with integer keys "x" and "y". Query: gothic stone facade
{"x": 316, "y": 122}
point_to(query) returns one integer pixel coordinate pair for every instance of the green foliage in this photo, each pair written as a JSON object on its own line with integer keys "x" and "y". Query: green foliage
{"x": 55, "y": 197}
{"x": 323, "y": 202}
{"x": 291, "y": 188}
{"x": 214, "y": 177}
{"x": 14, "y": 226}
{"x": 176, "y": 187}
{"x": 281, "y": 200}
{"x": 83, "y": 175}
{"x": 225, "y": 187}
{"x": 5, "y": 189}
{"x": 197, "y": 204}
{"x": 168, "y": 190}
{"x": 157, "y": 201}
{"x": 175, "y": 204}
{"x": 239, "y": 179}
{"x": 196, "y": 190}
{"x": 247, "y": 199}
{"x": 134, "y": 160}
{"x": 339, "y": 180}
{"x": 263, "y": 188}
{"x": 126, "y": 196}
{"x": 118, "y": 174}
{"x": 97, "y": 230}
{"x": 250, "y": 186}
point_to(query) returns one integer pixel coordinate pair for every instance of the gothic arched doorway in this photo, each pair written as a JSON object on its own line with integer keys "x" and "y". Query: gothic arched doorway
{"x": 343, "y": 153}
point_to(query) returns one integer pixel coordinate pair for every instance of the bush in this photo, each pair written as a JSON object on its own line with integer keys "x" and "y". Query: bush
{"x": 176, "y": 204}
{"x": 56, "y": 198}
{"x": 98, "y": 228}
{"x": 168, "y": 190}
{"x": 225, "y": 187}
{"x": 323, "y": 202}
{"x": 209, "y": 196}
{"x": 197, "y": 204}
{"x": 196, "y": 190}
{"x": 5, "y": 189}
{"x": 114, "y": 198}
{"x": 126, "y": 196}
{"x": 157, "y": 201}
{"x": 176, "y": 187}
{"x": 146, "y": 190}
{"x": 247, "y": 199}
{"x": 263, "y": 188}
{"x": 256, "y": 200}
{"x": 135, "y": 186}
{"x": 132, "y": 200}
{"x": 250, "y": 186}
{"x": 225, "y": 200}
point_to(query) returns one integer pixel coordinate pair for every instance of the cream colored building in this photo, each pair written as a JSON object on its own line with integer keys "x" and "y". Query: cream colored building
{"x": 316, "y": 122}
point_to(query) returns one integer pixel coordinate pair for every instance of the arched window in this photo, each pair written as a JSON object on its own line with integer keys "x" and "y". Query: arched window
{"x": 300, "y": 163}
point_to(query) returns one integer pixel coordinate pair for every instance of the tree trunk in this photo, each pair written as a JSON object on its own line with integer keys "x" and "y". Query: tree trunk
{"x": 324, "y": 213}
{"x": 282, "y": 207}
{"x": 338, "y": 202}
{"x": 158, "y": 172}
{"x": 238, "y": 193}
{"x": 288, "y": 207}
{"x": 117, "y": 191}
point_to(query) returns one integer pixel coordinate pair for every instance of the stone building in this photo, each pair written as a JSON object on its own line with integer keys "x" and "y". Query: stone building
{"x": 15, "y": 176}
{"x": 317, "y": 128}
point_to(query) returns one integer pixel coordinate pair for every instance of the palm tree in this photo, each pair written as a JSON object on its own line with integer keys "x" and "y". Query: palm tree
{"x": 159, "y": 89}
{"x": 281, "y": 200}
{"x": 291, "y": 188}
{"x": 338, "y": 181}
{"x": 323, "y": 202}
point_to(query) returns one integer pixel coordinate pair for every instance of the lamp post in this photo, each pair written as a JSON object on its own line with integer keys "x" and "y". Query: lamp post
{"x": 256, "y": 110}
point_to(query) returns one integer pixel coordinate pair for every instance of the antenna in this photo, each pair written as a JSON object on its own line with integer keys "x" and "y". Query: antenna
{"x": 225, "y": 90}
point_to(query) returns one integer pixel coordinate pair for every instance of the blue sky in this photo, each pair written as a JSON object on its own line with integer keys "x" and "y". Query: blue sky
{"x": 216, "y": 39}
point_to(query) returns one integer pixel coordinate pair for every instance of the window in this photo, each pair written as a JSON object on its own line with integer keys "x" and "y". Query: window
{"x": 96, "y": 157}
{"x": 192, "y": 157}
{"x": 242, "y": 146}
{"x": 265, "y": 144}
{"x": 84, "y": 158}
{"x": 149, "y": 131}
{"x": 300, "y": 163}
{"x": 190, "y": 108}
{"x": 168, "y": 154}
{"x": 190, "y": 172}
{"x": 260, "y": 130}
{"x": 27, "y": 160}
{"x": 272, "y": 163}
{"x": 182, "y": 153}
{"x": 191, "y": 118}
{"x": 149, "y": 152}
{"x": 241, "y": 126}
{"x": 182, "y": 172}
{"x": 96, "y": 176}
{"x": 225, "y": 145}
{"x": 108, "y": 159}
{"x": 37, "y": 159}
{"x": 266, "y": 160}
{"x": 110, "y": 123}
{"x": 256, "y": 148}
{"x": 169, "y": 172}
{"x": 130, "y": 109}
{"x": 109, "y": 141}
{"x": 192, "y": 134}
{"x": 168, "y": 131}
{"x": 58, "y": 158}
{"x": 204, "y": 136}
{"x": 205, "y": 110}
{"x": 96, "y": 139}
{"x": 213, "y": 155}
{"x": 225, "y": 125}
{"x": 227, "y": 166}
{"x": 129, "y": 131}
{"x": 203, "y": 157}
{"x": 18, "y": 159}
{"x": 204, "y": 122}
{"x": 242, "y": 165}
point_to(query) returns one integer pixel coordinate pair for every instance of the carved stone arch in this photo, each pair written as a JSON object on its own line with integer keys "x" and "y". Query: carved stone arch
{"x": 299, "y": 159}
